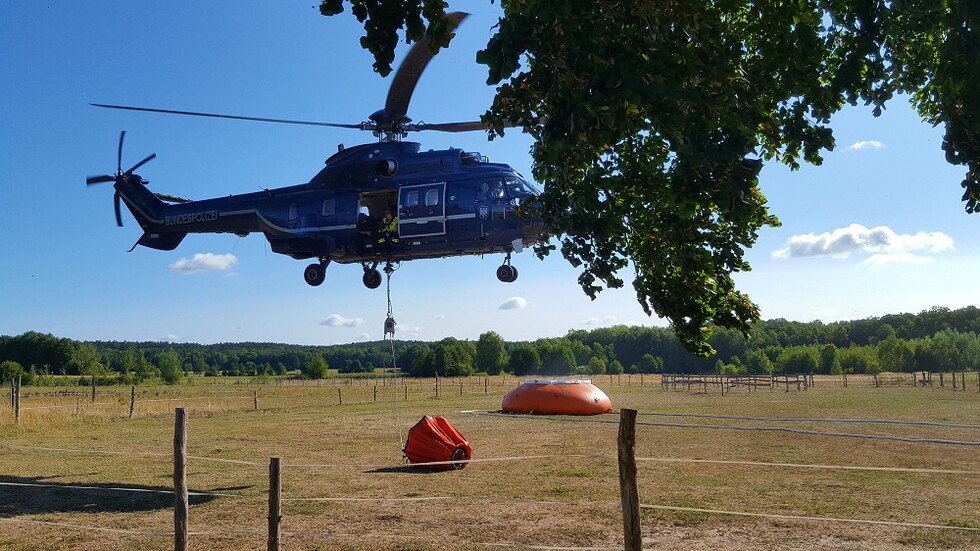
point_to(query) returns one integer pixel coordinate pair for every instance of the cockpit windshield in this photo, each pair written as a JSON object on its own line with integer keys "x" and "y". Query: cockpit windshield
{"x": 509, "y": 186}
{"x": 518, "y": 188}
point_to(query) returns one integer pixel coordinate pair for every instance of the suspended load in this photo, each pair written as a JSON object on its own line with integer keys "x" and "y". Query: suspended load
{"x": 434, "y": 440}
{"x": 557, "y": 398}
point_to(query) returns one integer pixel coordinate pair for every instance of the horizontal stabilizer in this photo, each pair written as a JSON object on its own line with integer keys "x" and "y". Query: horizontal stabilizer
{"x": 161, "y": 241}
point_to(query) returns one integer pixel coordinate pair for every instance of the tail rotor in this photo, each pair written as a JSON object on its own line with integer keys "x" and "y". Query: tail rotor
{"x": 120, "y": 176}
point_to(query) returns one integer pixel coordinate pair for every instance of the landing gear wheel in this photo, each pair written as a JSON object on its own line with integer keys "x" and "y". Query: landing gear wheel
{"x": 315, "y": 274}
{"x": 372, "y": 279}
{"x": 507, "y": 273}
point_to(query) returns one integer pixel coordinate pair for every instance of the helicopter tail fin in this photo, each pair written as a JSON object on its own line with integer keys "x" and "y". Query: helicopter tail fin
{"x": 147, "y": 208}
{"x": 151, "y": 214}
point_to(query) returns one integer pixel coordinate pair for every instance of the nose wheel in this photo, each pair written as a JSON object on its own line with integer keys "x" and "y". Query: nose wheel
{"x": 372, "y": 277}
{"x": 507, "y": 273}
{"x": 315, "y": 274}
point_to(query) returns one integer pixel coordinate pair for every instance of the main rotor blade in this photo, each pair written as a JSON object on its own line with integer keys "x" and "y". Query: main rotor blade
{"x": 450, "y": 126}
{"x": 220, "y": 116}
{"x": 455, "y": 126}
{"x": 99, "y": 179}
{"x": 407, "y": 76}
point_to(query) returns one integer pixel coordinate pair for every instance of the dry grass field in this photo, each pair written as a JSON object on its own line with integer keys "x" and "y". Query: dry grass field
{"x": 69, "y": 468}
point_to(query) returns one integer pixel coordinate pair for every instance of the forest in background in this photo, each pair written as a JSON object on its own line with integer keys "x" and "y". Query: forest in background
{"x": 938, "y": 339}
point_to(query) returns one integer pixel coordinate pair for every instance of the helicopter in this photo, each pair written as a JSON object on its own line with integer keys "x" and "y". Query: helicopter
{"x": 443, "y": 202}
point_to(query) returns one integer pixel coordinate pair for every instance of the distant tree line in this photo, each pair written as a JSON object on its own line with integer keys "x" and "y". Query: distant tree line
{"x": 938, "y": 339}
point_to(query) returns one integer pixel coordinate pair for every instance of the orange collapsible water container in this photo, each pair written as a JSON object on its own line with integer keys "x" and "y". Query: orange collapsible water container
{"x": 433, "y": 439}
{"x": 557, "y": 397}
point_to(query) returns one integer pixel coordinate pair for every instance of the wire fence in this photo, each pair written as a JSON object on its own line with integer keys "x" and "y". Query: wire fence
{"x": 301, "y": 470}
{"x": 149, "y": 401}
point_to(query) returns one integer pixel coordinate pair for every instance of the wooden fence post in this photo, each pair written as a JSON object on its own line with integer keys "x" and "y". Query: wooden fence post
{"x": 132, "y": 401}
{"x": 180, "y": 480}
{"x": 17, "y": 401}
{"x": 255, "y": 400}
{"x": 375, "y": 393}
{"x": 275, "y": 502}
{"x": 93, "y": 388}
{"x": 627, "y": 480}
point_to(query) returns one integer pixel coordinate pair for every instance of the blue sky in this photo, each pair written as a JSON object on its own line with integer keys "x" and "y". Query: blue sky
{"x": 879, "y": 228}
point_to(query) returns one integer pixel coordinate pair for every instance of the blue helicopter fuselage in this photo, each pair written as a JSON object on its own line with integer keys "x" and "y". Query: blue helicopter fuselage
{"x": 447, "y": 202}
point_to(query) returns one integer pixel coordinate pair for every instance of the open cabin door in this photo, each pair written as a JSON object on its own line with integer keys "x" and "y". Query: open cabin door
{"x": 422, "y": 210}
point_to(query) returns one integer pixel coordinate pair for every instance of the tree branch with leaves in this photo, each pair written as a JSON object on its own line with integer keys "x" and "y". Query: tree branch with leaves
{"x": 652, "y": 120}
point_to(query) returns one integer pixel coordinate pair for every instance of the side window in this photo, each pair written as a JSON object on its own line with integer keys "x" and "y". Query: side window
{"x": 432, "y": 197}
{"x": 412, "y": 199}
{"x": 293, "y": 212}
{"x": 329, "y": 207}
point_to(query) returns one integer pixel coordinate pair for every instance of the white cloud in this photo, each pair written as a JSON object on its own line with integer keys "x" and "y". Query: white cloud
{"x": 899, "y": 258}
{"x": 336, "y": 320}
{"x": 439, "y": 317}
{"x": 171, "y": 338}
{"x": 364, "y": 337}
{"x": 608, "y": 320}
{"x": 204, "y": 262}
{"x": 514, "y": 303}
{"x": 865, "y": 144}
{"x": 408, "y": 331}
{"x": 880, "y": 241}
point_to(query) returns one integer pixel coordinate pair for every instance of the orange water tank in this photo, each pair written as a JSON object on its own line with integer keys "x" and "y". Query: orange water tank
{"x": 557, "y": 397}
{"x": 435, "y": 440}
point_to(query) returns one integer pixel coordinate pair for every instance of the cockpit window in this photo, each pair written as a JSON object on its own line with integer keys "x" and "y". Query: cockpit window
{"x": 518, "y": 189}
{"x": 497, "y": 190}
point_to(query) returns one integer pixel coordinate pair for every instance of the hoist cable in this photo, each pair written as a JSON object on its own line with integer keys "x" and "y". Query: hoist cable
{"x": 390, "y": 329}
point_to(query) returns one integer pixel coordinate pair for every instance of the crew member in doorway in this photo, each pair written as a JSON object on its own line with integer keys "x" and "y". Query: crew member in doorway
{"x": 389, "y": 231}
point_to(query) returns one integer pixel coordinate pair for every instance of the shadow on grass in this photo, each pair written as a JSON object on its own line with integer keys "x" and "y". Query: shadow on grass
{"x": 409, "y": 469}
{"x": 30, "y": 496}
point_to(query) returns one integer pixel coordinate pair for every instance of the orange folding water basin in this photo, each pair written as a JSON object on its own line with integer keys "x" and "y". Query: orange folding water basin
{"x": 557, "y": 397}
{"x": 435, "y": 440}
